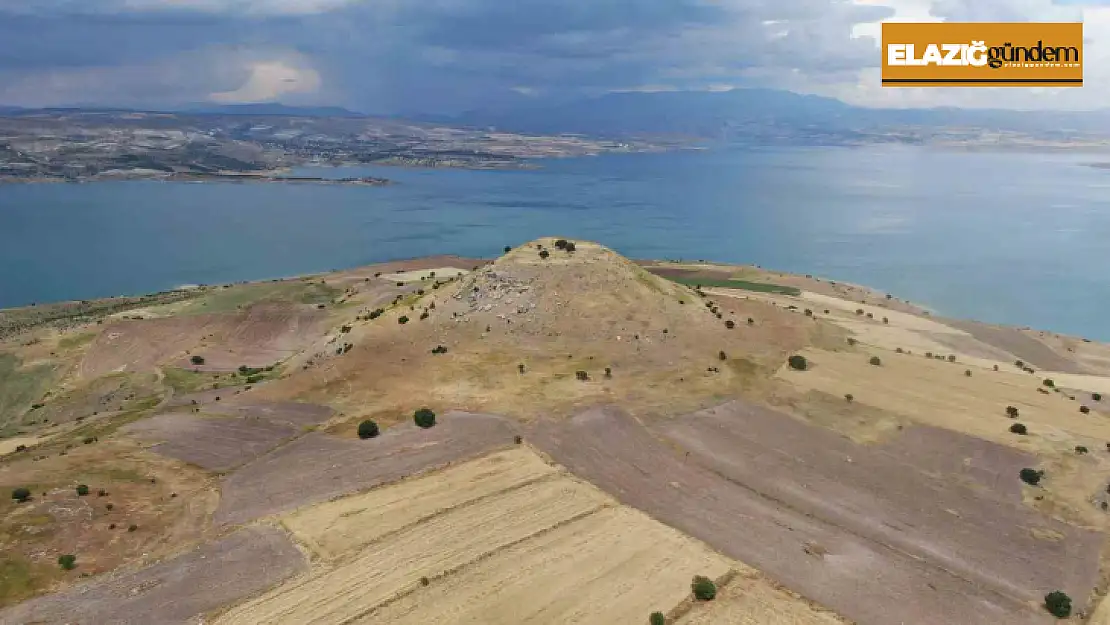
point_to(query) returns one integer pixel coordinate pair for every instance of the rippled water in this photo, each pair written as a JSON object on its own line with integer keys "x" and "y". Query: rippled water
{"x": 1015, "y": 238}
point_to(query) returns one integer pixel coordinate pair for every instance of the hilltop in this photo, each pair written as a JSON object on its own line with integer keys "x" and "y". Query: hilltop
{"x": 600, "y": 432}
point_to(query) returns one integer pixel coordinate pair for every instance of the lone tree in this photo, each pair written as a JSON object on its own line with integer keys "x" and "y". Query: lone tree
{"x": 721, "y": 355}
{"x": 875, "y": 361}
{"x": 704, "y": 588}
{"x": 508, "y": 249}
{"x": 560, "y": 244}
{"x": 730, "y": 324}
{"x": 67, "y": 562}
{"x": 1019, "y": 428}
{"x": 1084, "y": 409}
{"x": 544, "y": 254}
{"x": 951, "y": 358}
{"x": 657, "y": 618}
{"x": 569, "y": 247}
{"x": 1096, "y": 396}
{"x": 582, "y": 375}
{"x": 1049, "y": 383}
{"x": 367, "y": 429}
{"x": 798, "y": 363}
{"x": 197, "y": 360}
{"x": 1012, "y": 412}
{"x": 82, "y": 490}
{"x": 21, "y": 494}
{"x": 1058, "y": 604}
{"x": 402, "y": 320}
{"x": 849, "y": 397}
{"x": 967, "y": 373}
{"x": 424, "y": 418}
{"x": 1031, "y": 477}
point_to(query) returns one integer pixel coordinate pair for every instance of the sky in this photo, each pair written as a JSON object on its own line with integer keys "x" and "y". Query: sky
{"x": 446, "y": 56}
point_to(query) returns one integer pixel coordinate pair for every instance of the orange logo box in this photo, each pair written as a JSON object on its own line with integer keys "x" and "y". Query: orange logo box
{"x": 947, "y": 54}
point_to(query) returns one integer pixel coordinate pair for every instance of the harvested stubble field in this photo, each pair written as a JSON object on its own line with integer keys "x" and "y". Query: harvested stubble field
{"x": 317, "y": 467}
{"x": 820, "y": 560}
{"x": 505, "y": 538}
{"x": 938, "y": 393}
{"x": 174, "y": 591}
{"x": 330, "y": 529}
{"x": 219, "y": 443}
{"x": 989, "y": 540}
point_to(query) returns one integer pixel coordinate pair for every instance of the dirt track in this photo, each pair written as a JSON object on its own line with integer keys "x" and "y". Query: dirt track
{"x": 863, "y": 580}
{"x": 174, "y": 591}
{"x": 318, "y": 466}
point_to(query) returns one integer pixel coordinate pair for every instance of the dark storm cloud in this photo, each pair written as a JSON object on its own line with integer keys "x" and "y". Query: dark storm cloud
{"x": 435, "y": 55}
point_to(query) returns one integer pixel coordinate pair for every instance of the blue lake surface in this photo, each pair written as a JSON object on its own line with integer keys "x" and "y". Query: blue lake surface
{"x": 1018, "y": 238}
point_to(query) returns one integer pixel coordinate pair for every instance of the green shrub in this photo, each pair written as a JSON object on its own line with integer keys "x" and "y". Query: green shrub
{"x": 951, "y": 358}
{"x": 721, "y": 355}
{"x": 849, "y": 397}
{"x": 797, "y": 362}
{"x": 1058, "y": 604}
{"x": 1012, "y": 412}
{"x": 608, "y": 372}
{"x": 402, "y": 320}
{"x": 21, "y": 494}
{"x": 581, "y": 375}
{"x": 82, "y": 490}
{"x": 544, "y": 254}
{"x": 1096, "y": 396}
{"x": 1019, "y": 428}
{"x": 197, "y": 360}
{"x": 852, "y": 341}
{"x": 67, "y": 562}
{"x": 704, "y": 589}
{"x": 254, "y": 379}
{"x": 560, "y": 244}
{"x": 367, "y": 429}
{"x": 1081, "y": 449}
{"x": 1049, "y": 383}
{"x": 424, "y": 418}
{"x": 859, "y": 311}
{"x": 569, "y": 247}
{"x": 730, "y": 324}
{"x": 132, "y": 527}
{"x": 751, "y": 321}
{"x": 875, "y": 361}
{"x": 967, "y": 372}
{"x": 1031, "y": 477}
{"x": 657, "y": 618}
{"x": 1084, "y": 409}
{"x": 508, "y": 248}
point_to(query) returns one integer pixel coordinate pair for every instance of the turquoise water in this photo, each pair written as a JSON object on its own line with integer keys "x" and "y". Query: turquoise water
{"x": 1014, "y": 238}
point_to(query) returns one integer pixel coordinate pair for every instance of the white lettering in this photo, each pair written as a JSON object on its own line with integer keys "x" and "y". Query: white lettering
{"x": 896, "y": 54}
{"x": 932, "y": 55}
{"x": 977, "y": 54}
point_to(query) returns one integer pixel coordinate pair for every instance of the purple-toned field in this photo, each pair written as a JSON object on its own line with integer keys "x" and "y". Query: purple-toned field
{"x": 759, "y": 489}
{"x": 318, "y": 466}
{"x": 176, "y": 590}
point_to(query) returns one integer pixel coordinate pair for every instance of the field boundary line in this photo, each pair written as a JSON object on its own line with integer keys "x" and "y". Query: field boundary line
{"x": 313, "y": 546}
{"x": 413, "y": 587}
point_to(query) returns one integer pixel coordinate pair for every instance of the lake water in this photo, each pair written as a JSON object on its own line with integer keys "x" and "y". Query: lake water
{"x": 1016, "y": 238}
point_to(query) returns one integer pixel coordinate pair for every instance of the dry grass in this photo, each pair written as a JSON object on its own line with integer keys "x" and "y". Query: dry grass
{"x": 332, "y": 529}
{"x": 748, "y": 599}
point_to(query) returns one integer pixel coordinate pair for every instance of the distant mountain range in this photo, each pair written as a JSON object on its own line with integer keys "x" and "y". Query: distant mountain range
{"x": 729, "y": 113}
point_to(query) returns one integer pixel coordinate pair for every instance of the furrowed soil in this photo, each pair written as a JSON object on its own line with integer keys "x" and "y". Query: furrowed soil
{"x": 216, "y": 442}
{"x": 176, "y": 590}
{"x": 989, "y": 540}
{"x": 820, "y": 560}
{"x": 319, "y": 466}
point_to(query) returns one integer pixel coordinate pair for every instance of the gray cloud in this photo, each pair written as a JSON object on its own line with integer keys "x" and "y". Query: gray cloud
{"x": 440, "y": 55}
